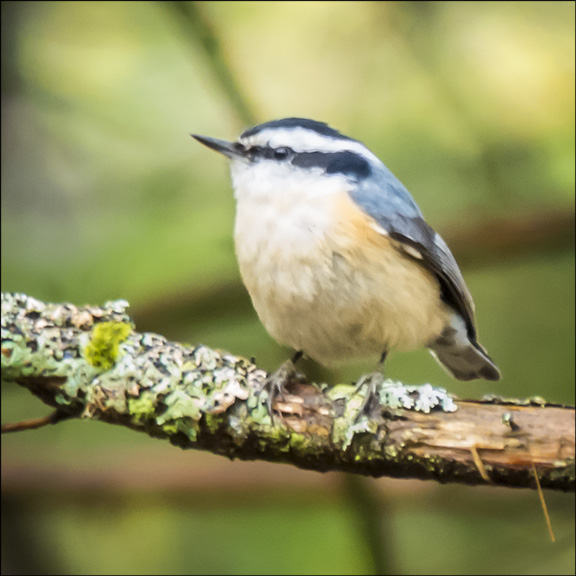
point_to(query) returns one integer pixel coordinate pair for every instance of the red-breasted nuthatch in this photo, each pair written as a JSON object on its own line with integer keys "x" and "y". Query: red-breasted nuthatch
{"x": 336, "y": 254}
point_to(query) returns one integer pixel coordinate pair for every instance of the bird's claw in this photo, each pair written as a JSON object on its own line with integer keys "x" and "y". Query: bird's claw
{"x": 275, "y": 385}
{"x": 373, "y": 382}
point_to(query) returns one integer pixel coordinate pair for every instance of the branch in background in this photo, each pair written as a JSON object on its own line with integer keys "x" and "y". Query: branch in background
{"x": 197, "y": 27}
{"x": 90, "y": 363}
{"x": 480, "y": 243}
{"x": 33, "y": 423}
{"x": 492, "y": 239}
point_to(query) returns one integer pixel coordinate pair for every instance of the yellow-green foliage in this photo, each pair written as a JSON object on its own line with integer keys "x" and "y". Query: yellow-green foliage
{"x": 102, "y": 350}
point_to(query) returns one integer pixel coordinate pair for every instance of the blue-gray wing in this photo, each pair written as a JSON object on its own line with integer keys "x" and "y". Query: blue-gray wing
{"x": 387, "y": 201}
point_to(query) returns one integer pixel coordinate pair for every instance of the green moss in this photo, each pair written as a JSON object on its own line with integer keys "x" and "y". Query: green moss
{"x": 259, "y": 412}
{"x": 212, "y": 421}
{"x": 102, "y": 350}
{"x": 300, "y": 442}
{"x": 182, "y": 425}
{"x": 143, "y": 407}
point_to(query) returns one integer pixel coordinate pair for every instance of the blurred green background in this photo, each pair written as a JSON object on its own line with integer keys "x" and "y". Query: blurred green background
{"x": 105, "y": 195}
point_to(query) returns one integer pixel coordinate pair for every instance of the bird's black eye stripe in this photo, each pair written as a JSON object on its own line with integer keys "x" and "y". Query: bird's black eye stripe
{"x": 282, "y": 153}
{"x": 269, "y": 153}
{"x": 254, "y": 152}
{"x": 345, "y": 162}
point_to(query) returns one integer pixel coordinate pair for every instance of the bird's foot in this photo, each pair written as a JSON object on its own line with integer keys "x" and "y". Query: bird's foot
{"x": 275, "y": 386}
{"x": 368, "y": 386}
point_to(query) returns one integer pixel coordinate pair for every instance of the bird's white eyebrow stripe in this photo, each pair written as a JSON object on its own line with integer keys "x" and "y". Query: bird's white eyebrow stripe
{"x": 303, "y": 140}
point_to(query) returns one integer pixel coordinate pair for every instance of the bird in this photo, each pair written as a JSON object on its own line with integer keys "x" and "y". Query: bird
{"x": 337, "y": 257}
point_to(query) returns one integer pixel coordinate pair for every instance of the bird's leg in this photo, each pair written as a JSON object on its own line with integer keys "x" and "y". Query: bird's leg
{"x": 275, "y": 384}
{"x": 372, "y": 381}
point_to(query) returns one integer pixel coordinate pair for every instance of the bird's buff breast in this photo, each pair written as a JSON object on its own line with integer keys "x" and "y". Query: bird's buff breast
{"x": 324, "y": 280}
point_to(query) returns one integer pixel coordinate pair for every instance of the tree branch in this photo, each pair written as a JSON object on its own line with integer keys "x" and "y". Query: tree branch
{"x": 89, "y": 362}
{"x": 198, "y": 28}
{"x": 482, "y": 241}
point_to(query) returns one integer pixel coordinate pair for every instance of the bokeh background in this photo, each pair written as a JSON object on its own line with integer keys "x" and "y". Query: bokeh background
{"x": 105, "y": 195}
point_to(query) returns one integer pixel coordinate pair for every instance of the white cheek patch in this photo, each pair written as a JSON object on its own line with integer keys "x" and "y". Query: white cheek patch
{"x": 266, "y": 181}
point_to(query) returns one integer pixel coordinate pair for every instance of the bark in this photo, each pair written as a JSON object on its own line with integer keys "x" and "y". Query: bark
{"x": 89, "y": 362}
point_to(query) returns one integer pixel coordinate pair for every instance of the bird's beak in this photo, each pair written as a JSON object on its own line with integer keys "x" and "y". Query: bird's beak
{"x": 230, "y": 149}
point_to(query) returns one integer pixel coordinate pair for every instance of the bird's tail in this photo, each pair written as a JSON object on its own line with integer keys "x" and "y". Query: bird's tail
{"x": 463, "y": 357}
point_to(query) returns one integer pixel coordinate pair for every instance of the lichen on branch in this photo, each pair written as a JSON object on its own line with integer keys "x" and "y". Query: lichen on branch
{"x": 90, "y": 362}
